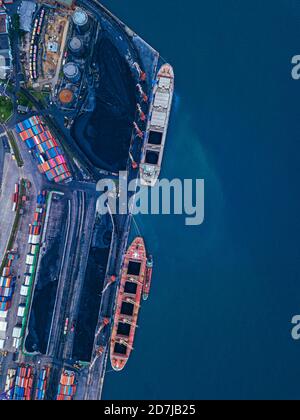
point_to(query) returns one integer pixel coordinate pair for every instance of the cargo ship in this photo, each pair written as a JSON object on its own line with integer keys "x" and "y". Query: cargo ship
{"x": 147, "y": 283}
{"x": 157, "y": 127}
{"x": 128, "y": 304}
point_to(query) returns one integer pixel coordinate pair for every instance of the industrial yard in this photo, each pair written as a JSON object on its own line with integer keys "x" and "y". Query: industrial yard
{"x": 60, "y": 259}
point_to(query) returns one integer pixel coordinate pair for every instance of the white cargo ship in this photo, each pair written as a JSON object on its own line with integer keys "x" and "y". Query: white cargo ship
{"x": 157, "y": 127}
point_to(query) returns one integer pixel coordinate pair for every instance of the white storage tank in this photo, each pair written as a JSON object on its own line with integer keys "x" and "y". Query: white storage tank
{"x": 76, "y": 46}
{"x": 81, "y": 20}
{"x": 72, "y": 72}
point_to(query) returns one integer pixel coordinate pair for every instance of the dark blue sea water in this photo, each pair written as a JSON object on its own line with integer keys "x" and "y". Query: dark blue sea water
{"x": 217, "y": 324}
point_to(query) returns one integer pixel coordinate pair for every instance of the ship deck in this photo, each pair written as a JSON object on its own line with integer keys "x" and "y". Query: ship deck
{"x": 128, "y": 304}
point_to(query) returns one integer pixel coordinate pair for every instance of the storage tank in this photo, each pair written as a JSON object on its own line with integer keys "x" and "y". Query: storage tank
{"x": 76, "y": 46}
{"x": 72, "y": 72}
{"x": 81, "y": 20}
{"x": 66, "y": 97}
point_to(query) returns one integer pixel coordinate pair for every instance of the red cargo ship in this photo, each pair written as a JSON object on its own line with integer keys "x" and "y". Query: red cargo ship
{"x": 147, "y": 284}
{"x": 128, "y": 304}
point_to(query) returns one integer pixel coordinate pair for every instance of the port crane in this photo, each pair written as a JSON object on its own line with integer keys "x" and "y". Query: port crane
{"x": 110, "y": 282}
{"x": 124, "y": 342}
{"x": 142, "y": 74}
{"x": 142, "y": 93}
{"x": 126, "y": 321}
{"x": 136, "y": 281}
{"x": 100, "y": 350}
{"x": 133, "y": 162}
{"x": 133, "y": 302}
{"x": 141, "y": 113}
{"x": 105, "y": 322}
{"x": 139, "y": 132}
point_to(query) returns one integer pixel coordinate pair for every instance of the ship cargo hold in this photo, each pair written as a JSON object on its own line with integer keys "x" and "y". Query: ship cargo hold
{"x": 157, "y": 127}
{"x": 128, "y": 304}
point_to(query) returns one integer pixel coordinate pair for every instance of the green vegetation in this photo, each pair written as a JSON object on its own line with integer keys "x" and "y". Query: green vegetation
{"x": 16, "y": 150}
{"x": 15, "y": 227}
{"x": 40, "y": 96}
{"x": 6, "y": 108}
{"x": 22, "y": 100}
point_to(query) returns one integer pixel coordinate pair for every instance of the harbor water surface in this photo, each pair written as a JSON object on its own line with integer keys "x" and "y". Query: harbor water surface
{"x": 218, "y": 320}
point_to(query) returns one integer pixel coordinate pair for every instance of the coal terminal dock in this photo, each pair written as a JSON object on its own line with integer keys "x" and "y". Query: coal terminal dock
{"x": 88, "y": 84}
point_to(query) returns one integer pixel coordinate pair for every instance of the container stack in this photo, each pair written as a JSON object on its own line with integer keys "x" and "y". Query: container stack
{"x": 10, "y": 383}
{"x": 45, "y": 148}
{"x": 34, "y": 237}
{"x": 67, "y": 387}
{"x": 23, "y": 384}
{"x": 7, "y": 287}
{"x": 42, "y": 383}
{"x": 15, "y": 198}
{"x": 38, "y": 218}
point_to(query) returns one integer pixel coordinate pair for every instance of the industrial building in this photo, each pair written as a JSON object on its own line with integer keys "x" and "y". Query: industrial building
{"x": 26, "y": 12}
{"x": 5, "y": 52}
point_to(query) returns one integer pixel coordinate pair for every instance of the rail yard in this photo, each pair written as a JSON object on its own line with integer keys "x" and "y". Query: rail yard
{"x": 62, "y": 262}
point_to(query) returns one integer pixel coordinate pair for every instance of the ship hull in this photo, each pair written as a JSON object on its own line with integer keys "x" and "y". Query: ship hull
{"x": 148, "y": 280}
{"x": 128, "y": 304}
{"x": 157, "y": 127}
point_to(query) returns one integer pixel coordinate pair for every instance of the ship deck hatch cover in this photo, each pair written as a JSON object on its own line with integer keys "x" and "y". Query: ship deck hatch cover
{"x": 134, "y": 268}
{"x": 123, "y": 329}
{"x": 130, "y": 288}
{"x": 120, "y": 349}
{"x": 152, "y": 158}
{"x": 127, "y": 309}
{"x": 155, "y": 137}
